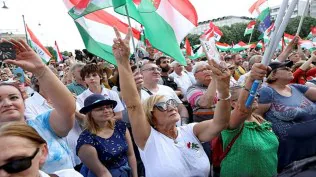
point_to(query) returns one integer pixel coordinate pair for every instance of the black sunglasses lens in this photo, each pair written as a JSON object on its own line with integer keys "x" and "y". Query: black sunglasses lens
{"x": 17, "y": 166}
{"x": 161, "y": 106}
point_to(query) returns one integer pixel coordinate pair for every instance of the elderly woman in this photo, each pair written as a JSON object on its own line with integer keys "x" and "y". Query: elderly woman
{"x": 51, "y": 125}
{"x": 105, "y": 147}
{"x": 24, "y": 152}
{"x": 165, "y": 149}
{"x": 291, "y": 109}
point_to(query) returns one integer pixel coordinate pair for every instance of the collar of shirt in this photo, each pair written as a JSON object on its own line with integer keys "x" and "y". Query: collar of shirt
{"x": 104, "y": 92}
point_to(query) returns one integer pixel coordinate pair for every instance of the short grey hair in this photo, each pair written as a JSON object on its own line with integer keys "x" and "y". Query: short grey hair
{"x": 198, "y": 65}
{"x": 76, "y": 65}
{"x": 252, "y": 60}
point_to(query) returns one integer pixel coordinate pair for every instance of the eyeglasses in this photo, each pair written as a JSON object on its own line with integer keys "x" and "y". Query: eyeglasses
{"x": 152, "y": 69}
{"x": 163, "y": 106}
{"x": 16, "y": 166}
{"x": 202, "y": 70}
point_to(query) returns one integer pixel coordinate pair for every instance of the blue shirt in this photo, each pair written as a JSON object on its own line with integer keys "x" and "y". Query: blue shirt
{"x": 112, "y": 152}
{"x": 293, "y": 120}
{"x": 59, "y": 155}
{"x": 76, "y": 88}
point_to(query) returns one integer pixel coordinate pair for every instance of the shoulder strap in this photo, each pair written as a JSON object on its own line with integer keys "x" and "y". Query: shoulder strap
{"x": 53, "y": 175}
{"x": 148, "y": 91}
{"x": 231, "y": 144}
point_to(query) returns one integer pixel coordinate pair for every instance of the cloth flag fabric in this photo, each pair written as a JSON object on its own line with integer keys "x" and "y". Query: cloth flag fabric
{"x": 57, "y": 53}
{"x": 239, "y": 47}
{"x": 37, "y": 46}
{"x": 250, "y": 27}
{"x": 188, "y": 47}
{"x": 265, "y": 21}
{"x": 307, "y": 44}
{"x": 223, "y": 46}
{"x": 257, "y": 8}
{"x": 260, "y": 44}
{"x": 312, "y": 34}
{"x": 288, "y": 38}
{"x": 170, "y": 20}
{"x": 214, "y": 31}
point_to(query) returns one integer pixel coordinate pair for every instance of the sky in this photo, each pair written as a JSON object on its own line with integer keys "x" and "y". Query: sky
{"x": 49, "y": 21}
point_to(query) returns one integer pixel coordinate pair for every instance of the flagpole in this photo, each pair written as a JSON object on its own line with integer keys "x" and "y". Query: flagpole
{"x": 302, "y": 19}
{"x": 250, "y": 36}
{"x": 133, "y": 41}
{"x": 25, "y": 29}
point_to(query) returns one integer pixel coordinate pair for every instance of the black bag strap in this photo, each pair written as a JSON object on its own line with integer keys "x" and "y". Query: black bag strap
{"x": 146, "y": 90}
{"x": 231, "y": 144}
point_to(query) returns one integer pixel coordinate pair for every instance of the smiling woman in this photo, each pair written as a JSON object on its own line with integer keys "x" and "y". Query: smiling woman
{"x": 24, "y": 151}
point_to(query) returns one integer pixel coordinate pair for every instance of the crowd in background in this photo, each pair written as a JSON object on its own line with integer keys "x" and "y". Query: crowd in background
{"x": 153, "y": 116}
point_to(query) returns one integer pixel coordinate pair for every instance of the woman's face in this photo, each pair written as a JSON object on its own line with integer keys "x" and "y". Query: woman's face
{"x": 102, "y": 114}
{"x": 284, "y": 74}
{"x": 165, "y": 112}
{"x": 14, "y": 149}
{"x": 11, "y": 104}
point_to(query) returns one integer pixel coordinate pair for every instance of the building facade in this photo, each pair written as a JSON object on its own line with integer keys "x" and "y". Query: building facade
{"x": 298, "y": 11}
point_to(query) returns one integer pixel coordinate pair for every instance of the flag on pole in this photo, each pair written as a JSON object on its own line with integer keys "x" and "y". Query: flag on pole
{"x": 288, "y": 38}
{"x": 265, "y": 20}
{"x": 188, "y": 48}
{"x": 170, "y": 20}
{"x": 257, "y": 8}
{"x": 312, "y": 34}
{"x": 214, "y": 31}
{"x": 37, "y": 46}
{"x": 250, "y": 27}
{"x": 260, "y": 44}
{"x": 223, "y": 46}
{"x": 307, "y": 44}
{"x": 57, "y": 53}
{"x": 239, "y": 47}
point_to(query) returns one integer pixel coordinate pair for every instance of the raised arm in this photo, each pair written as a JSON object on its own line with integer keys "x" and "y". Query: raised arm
{"x": 241, "y": 112}
{"x": 207, "y": 130}
{"x": 140, "y": 126}
{"x": 283, "y": 56}
{"x": 206, "y": 100}
{"x": 63, "y": 116}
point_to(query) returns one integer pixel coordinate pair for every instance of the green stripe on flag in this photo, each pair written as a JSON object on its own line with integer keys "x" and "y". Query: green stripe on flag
{"x": 264, "y": 14}
{"x": 91, "y": 8}
{"x": 101, "y": 50}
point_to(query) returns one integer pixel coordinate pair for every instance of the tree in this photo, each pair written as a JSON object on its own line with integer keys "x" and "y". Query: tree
{"x": 306, "y": 26}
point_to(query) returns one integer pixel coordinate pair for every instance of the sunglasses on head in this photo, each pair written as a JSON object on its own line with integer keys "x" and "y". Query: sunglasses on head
{"x": 16, "y": 166}
{"x": 163, "y": 106}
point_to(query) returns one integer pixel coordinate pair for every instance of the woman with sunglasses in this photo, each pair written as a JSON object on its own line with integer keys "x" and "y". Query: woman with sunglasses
{"x": 167, "y": 150}
{"x": 24, "y": 152}
{"x": 52, "y": 125}
{"x": 105, "y": 146}
{"x": 291, "y": 109}
{"x": 252, "y": 145}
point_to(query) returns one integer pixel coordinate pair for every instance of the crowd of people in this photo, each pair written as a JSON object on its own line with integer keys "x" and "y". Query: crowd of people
{"x": 155, "y": 117}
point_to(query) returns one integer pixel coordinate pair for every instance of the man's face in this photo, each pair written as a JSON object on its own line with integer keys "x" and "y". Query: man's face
{"x": 203, "y": 74}
{"x": 178, "y": 68}
{"x": 151, "y": 72}
{"x": 164, "y": 65}
{"x": 189, "y": 66}
{"x": 76, "y": 74}
{"x": 295, "y": 58}
{"x": 238, "y": 60}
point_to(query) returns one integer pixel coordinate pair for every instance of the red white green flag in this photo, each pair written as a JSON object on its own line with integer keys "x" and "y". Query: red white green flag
{"x": 223, "y": 46}
{"x": 288, "y": 38}
{"x": 57, "y": 53}
{"x": 188, "y": 48}
{"x": 250, "y": 27}
{"x": 312, "y": 34}
{"x": 166, "y": 22}
{"x": 37, "y": 46}
{"x": 239, "y": 47}
{"x": 258, "y": 7}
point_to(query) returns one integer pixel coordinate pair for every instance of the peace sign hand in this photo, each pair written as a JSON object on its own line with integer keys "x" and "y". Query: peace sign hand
{"x": 120, "y": 48}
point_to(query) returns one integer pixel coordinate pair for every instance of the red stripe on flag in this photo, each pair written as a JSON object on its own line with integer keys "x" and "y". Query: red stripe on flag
{"x": 105, "y": 18}
{"x": 82, "y": 4}
{"x": 58, "y": 52}
{"x": 186, "y": 9}
{"x": 313, "y": 30}
{"x": 35, "y": 40}
{"x": 251, "y": 24}
{"x": 188, "y": 47}
{"x": 256, "y": 6}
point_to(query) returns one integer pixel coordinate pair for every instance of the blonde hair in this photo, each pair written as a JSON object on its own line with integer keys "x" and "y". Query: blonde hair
{"x": 21, "y": 129}
{"x": 148, "y": 106}
{"x": 92, "y": 126}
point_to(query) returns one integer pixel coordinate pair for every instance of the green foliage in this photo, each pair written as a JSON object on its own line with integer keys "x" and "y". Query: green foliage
{"x": 194, "y": 39}
{"x": 306, "y": 27}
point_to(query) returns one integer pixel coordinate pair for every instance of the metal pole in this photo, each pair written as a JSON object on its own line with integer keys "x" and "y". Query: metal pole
{"x": 250, "y": 36}
{"x": 302, "y": 18}
{"x": 27, "y": 41}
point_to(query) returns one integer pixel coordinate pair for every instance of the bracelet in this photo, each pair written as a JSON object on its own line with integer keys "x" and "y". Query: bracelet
{"x": 225, "y": 99}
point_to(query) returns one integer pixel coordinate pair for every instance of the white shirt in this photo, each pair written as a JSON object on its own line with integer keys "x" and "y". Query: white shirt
{"x": 183, "y": 81}
{"x": 109, "y": 94}
{"x": 242, "y": 79}
{"x": 191, "y": 75}
{"x": 163, "y": 157}
{"x": 35, "y": 105}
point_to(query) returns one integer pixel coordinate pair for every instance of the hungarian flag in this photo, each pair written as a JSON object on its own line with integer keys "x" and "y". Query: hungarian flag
{"x": 312, "y": 33}
{"x": 258, "y": 7}
{"x": 223, "y": 46}
{"x": 167, "y": 22}
{"x": 37, "y": 46}
{"x": 288, "y": 38}
{"x": 307, "y": 44}
{"x": 57, "y": 53}
{"x": 188, "y": 47}
{"x": 251, "y": 46}
{"x": 250, "y": 27}
{"x": 239, "y": 47}
{"x": 260, "y": 44}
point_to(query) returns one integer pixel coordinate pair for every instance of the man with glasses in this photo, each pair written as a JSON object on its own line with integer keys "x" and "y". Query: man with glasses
{"x": 180, "y": 77}
{"x": 151, "y": 76}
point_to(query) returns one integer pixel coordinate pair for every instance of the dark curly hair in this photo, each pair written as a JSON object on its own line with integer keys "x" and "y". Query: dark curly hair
{"x": 90, "y": 69}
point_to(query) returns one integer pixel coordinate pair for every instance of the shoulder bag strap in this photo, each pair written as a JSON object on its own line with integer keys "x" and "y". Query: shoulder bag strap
{"x": 231, "y": 144}
{"x": 146, "y": 90}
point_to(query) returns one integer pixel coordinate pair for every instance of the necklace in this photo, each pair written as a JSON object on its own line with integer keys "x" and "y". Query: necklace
{"x": 175, "y": 141}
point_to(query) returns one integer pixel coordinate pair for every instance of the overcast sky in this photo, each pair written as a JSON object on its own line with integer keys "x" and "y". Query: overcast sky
{"x": 56, "y": 24}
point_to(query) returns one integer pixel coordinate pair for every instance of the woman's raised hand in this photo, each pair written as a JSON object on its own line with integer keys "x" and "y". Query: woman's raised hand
{"x": 120, "y": 48}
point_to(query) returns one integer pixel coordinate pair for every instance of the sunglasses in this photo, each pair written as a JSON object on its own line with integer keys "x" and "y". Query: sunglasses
{"x": 16, "y": 166}
{"x": 163, "y": 106}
